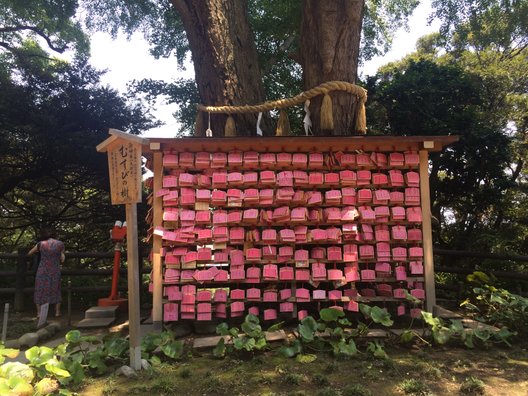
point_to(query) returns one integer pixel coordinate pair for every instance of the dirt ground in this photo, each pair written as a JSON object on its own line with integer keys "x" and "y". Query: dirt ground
{"x": 426, "y": 371}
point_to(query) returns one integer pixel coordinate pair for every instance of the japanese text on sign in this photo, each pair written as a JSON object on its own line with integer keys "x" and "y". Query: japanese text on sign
{"x": 124, "y": 164}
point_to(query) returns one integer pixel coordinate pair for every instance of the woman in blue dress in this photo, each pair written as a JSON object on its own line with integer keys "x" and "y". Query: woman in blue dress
{"x": 48, "y": 277}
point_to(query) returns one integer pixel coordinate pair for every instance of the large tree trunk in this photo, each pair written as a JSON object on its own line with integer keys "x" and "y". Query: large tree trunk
{"x": 330, "y": 38}
{"x": 225, "y": 58}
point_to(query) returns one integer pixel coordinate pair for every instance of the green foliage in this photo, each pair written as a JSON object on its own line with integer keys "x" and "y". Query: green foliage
{"x": 333, "y": 332}
{"x": 498, "y": 307}
{"x": 162, "y": 345}
{"x": 443, "y": 333}
{"x": 356, "y": 390}
{"x": 43, "y": 374}
{"x": 502, "y": 25}
{"x": 414, "y": 387}
{"x": 250, "y": 341}
{"x": 472, "y": 386}
{"x": 478, "y": 185}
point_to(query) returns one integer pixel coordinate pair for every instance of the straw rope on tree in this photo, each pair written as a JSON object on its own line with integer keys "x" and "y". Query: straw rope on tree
{"x": 326, "y": 107}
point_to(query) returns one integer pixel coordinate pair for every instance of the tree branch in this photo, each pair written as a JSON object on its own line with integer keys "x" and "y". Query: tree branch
{"x": 19, "y": 28}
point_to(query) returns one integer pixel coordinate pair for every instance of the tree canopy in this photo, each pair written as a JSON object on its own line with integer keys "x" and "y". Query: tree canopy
{"x": 469, "y": 79}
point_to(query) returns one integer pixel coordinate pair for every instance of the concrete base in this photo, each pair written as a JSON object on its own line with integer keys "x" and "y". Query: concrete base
{"x": 95, "y": 322}
{"x": 101, "y": 312}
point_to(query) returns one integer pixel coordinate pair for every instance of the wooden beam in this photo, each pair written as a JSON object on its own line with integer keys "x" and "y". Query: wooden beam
{"x": 305, "y": 143}
{"x": 116, "y": 135}
{"x": 157, "y": 220}
{"x": 103, "y": 146}
{"x": 133, "y": 286}
{"x": 128, "y": 136}
{"x": 430, "y": 294}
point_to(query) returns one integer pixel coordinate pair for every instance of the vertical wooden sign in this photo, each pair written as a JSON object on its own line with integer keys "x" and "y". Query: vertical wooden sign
{"x": 124, "y": 166}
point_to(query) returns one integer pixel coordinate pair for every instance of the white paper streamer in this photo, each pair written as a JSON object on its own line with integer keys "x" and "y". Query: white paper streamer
{"x": 307, "y": 121}
{"x": 43, "y": 315}
{"x": 259, "y": 131}
{"x": 208, "y": 131}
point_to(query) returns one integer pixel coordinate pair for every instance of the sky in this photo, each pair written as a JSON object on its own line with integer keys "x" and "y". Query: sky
{"x": 128, "y": 59}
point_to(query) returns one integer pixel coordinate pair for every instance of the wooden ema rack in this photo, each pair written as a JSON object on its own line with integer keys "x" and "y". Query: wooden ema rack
{"x": 230, "y": 234}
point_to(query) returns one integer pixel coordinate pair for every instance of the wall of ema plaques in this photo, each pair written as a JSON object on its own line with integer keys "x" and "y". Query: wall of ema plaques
{"x": 285, "y": 234}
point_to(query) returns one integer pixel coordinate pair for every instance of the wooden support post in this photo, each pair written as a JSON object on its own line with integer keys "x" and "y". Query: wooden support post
{"x": 157, "y": 220}
{"x": 430, "y": 294}
{"x": 133, "y": 287}
{"x": 20, "y": 280}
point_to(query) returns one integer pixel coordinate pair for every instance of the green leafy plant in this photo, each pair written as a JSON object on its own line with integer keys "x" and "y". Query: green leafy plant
{"x": 333, "y": 332}
{"x": 498, "y": 307}
{"x": 443, "y": 332}
{"x": 414, "y": 387}
{"x": 472, "y": 386}
{"x": 356, "y": 390}
{"x": 42, "y": 375}
{"x": 158, "y": 346}
{"x": 249, "y": 338}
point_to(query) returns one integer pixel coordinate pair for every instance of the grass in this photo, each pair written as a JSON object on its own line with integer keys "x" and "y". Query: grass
{"x": 17, "y": 327}
{"x": 472, "y": 386}
{"x": 414, "y": 387}
{"x": 408, "y": 372}
{"x": 356, "y": 390}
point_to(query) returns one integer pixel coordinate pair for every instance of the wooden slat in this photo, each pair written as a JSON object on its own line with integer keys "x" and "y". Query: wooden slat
{"x": 304, "y": 143}
{"x": 133, "y": 286}
{"x": 157, "y": 276}
{"x": 427, "y": 232}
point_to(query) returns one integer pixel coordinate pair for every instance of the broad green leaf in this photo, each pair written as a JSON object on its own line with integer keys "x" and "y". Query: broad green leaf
{"x": 9, "y": 352}
{"x": 155, "y": 360}
{"x": 251, "y": 329}
{"x": 250, "y": 343}
{"x": 233, "y": 331}
{"x": 73, "y": 336}
{"x": 307, "y": 329}
{"x": 220, "y": 349}
{"x": 20, "y": 386}
{"x": 57, "y": 370}
{"x": 456, "y": 326}
{"x": 482, "y": 334}
{"x": 239, "y": 343}
{"x": 76, "y": 373}
{"x": 377, "y": 350}
{"x": 46, "y": 386}
{"x": 292, "y": 350}
{"x": 347, "y": 348}
{"x": 345, "y": 322}
{"x": 116, "y": 347}
{"x": 338, "y": 332}
{"x": 39, "y": 355}
{"x": 431, "y": 320}
{"x": 174, "y": 350}
{"x": 16, "y": 369}
{"x": 365, "y": 310}
{"x": 330, "y": 314}
{"x": 261, "y": 343}
{"x": 250, "y": 318}
{"x": 441, "y": 335}
{"x": 407, "y": 336}
{"x": 275, "y": 327}
{"x": 503, "y": 335}
{"x": 222, "y": 329}
{"x": 468, "y": 340}
{"x": 379, "y": 315}
{"x": 306, "y": 358}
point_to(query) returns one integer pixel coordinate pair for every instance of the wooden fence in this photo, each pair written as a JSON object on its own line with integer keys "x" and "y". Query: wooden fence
{"x": 21, "y": 273}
